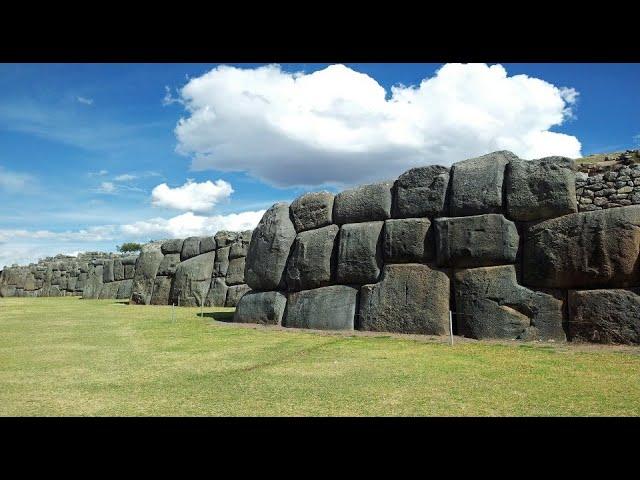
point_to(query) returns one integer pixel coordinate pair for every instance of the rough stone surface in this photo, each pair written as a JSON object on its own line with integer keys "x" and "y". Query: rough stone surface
{"x": 477, "y": 241}
{"x": 192, "y": 280}
{"x": 363, "y": 204}
{"x": 190, "y": 248}
{"x": 476, "y": 184}
{"x": 118, "y": 270}
{"x": 605, "y": 316}
{"x": 129, "y": 272}
{"x": 261, "y": 307}
{"x": 540, "y": 189}
{"x": 240, "y": 247}
{"x": 422, "y": 192}
{"x": 312, "y": 259}
{"x": 269, "y": 249}
{"x": 125, "y": 289}
{"x": 235, "y": 273}
{"x": 169, "y": 264}
{"x": 146, "y": 270}
{"x": 312, "y": 210}
{"x": 161, "y": 290}
{"x": 225, "y": 238}
{"x": 359, "y": 253}
{"x": 410, "y": 298}
{"x": 207, "y": 244}
{"x": 326, "y": 308}
{"x": 93, "y": 285}
{"x": 235, "y": 293}
{"x": 408, "y": 240}
{"x": 217, "y": 293}
{"x": 584, "y": 250}
{"x": 221, "y": 264}
{"x": 172, "y": 246}
{"x": 107, "y": 272}
{"x": 491, "y": 304}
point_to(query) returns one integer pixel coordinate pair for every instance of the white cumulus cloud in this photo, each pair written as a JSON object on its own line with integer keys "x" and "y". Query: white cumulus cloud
{"x": 339, "y": 126}
{"x": 192, "y": 196}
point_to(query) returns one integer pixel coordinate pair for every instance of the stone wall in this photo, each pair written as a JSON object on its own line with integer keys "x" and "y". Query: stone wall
{"x": 613, "y": 182}
{"x": 193, "y": 271}
{"x": 497, "y": 240}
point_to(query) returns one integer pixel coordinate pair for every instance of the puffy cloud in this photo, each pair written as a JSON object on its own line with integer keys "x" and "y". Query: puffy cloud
{"x": 107, "y": 187}
{"x": 193, "y": 196}
{"x": 339, "y": 126}
{"x": 25, "y": 246}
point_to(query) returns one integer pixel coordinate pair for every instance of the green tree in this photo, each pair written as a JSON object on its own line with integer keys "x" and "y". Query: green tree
{"x": 129, "y": 247}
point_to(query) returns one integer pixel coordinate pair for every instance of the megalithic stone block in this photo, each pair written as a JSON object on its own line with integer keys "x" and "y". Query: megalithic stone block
{"x": 365, "y": 203}
{"x": 312, "y": 210}
{"x": 359, "y": 253}
{"x": 261, "y": 307}
{"x": 326, "y": 308}
{"x": 408, "y": 240}
{"x": 312, "y": 259}
{"x": 422, "y": 192}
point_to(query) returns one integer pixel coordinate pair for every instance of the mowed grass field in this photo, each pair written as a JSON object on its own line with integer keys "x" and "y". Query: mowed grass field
{"x": 66, "y": 356}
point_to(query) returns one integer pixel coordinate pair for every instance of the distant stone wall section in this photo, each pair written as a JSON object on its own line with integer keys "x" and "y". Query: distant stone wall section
{"x": 507, "y": 245}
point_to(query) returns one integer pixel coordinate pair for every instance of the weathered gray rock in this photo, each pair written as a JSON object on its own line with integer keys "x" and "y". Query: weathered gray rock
{"x": 217, "y": 293}
{"x": 365, "y": 203}
{"x": 476, "y": 184}
{"x": 125, "y": 289}
{"x": 190, "y": 248}
{"x": 491, "y": 304}
{"x": 172, "y": 246}
{"x": 225, "y": 238}
{"x": 240, "y": 247}
{"x": 129, "y": 260}
{"x": 584, "y": 250}
{"x": 269, "y": 249}
{"x": 118, "y": 270}
{"x": 192, "y": 280}
{"x": 107, "y": 272}
{"x": 207, "y": 244}
{"x": 161, "y": 289}
{"x": 605, "y": 316}
{"x": 146, "y": 269}
{"x": 261, "y": 307}
{"x": 477, "y": 241}
{"x": 312, "y": 259}
{"x": 359, "y": 253}
{"x": 540, "y": 189}
{"x": 221, "y": 264}
{"x": 422, "y": 192}
{"x": 326, "y": 308}
{"x": 235, "y": 273}
{"x": 109, "y": 290}
{"x": 168, "y": 264}
{"x": 410, "y": 298}
{"x": 93, "y": 285}
{"x": 129, "y": 272}
{"x": 234, "y": 294}
{"x": 312, "y": 210}
{"x": 408, "y": 240}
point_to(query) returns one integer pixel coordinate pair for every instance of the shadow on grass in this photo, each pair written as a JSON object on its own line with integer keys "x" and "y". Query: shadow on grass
{"x": 220, "y": 316}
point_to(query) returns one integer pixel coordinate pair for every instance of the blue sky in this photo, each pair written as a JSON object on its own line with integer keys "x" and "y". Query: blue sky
{"x": 82, "y": 146}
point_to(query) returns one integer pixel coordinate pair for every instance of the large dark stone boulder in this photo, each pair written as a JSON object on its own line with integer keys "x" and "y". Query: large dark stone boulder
{"x": 408, "y": 240}
{"x": 217, "y": 293}
{"x": 109, "y": 290}
{"x": 359, "y": 253}
{"x": 584, "y": 250}
{"x": 129, "y": 272}
{"x": 172, "y": 246}
{"x": 326, "y": 308}
{"x": 240, "y": 247}
{"x": 125, "y": 289}
{"x": 235, "y": 273}
{"x": 129, "y": 260}
{"x": 221, "y": 264}
{"x": 476, "y": 184}
{"x": 422, "y": 192}
{"x": 605, "y": 316}
{"x": 491, "y": 304}
{"x": 107, "y": 272}
{"x": 118, "y": 270}
{"x": 234, "y": 294}
{"x": 269, "y": 249}
{"x": 540, "y": 189}
{"x": 261, "y": 307}
{"x": 146, "y": 269}
{"x": 312, "y": 259}
{"x": 192, "y": 280}
{"x": 478, "y": 241}
{"x": 93, "y": 285}
{"x": 168, "y": 265}
{"x": 190, "y": 248}
{"x": 410, "y": 298}
{"x": 312, "y": 210}
{"x": 225, "y": 238}
{"x": 207, "y": 244}
{"x": 365, "y": 203}
{"x": 161, "y": 290}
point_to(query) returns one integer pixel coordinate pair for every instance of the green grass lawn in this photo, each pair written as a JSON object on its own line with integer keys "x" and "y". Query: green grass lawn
{"x": 66, "y": 356}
